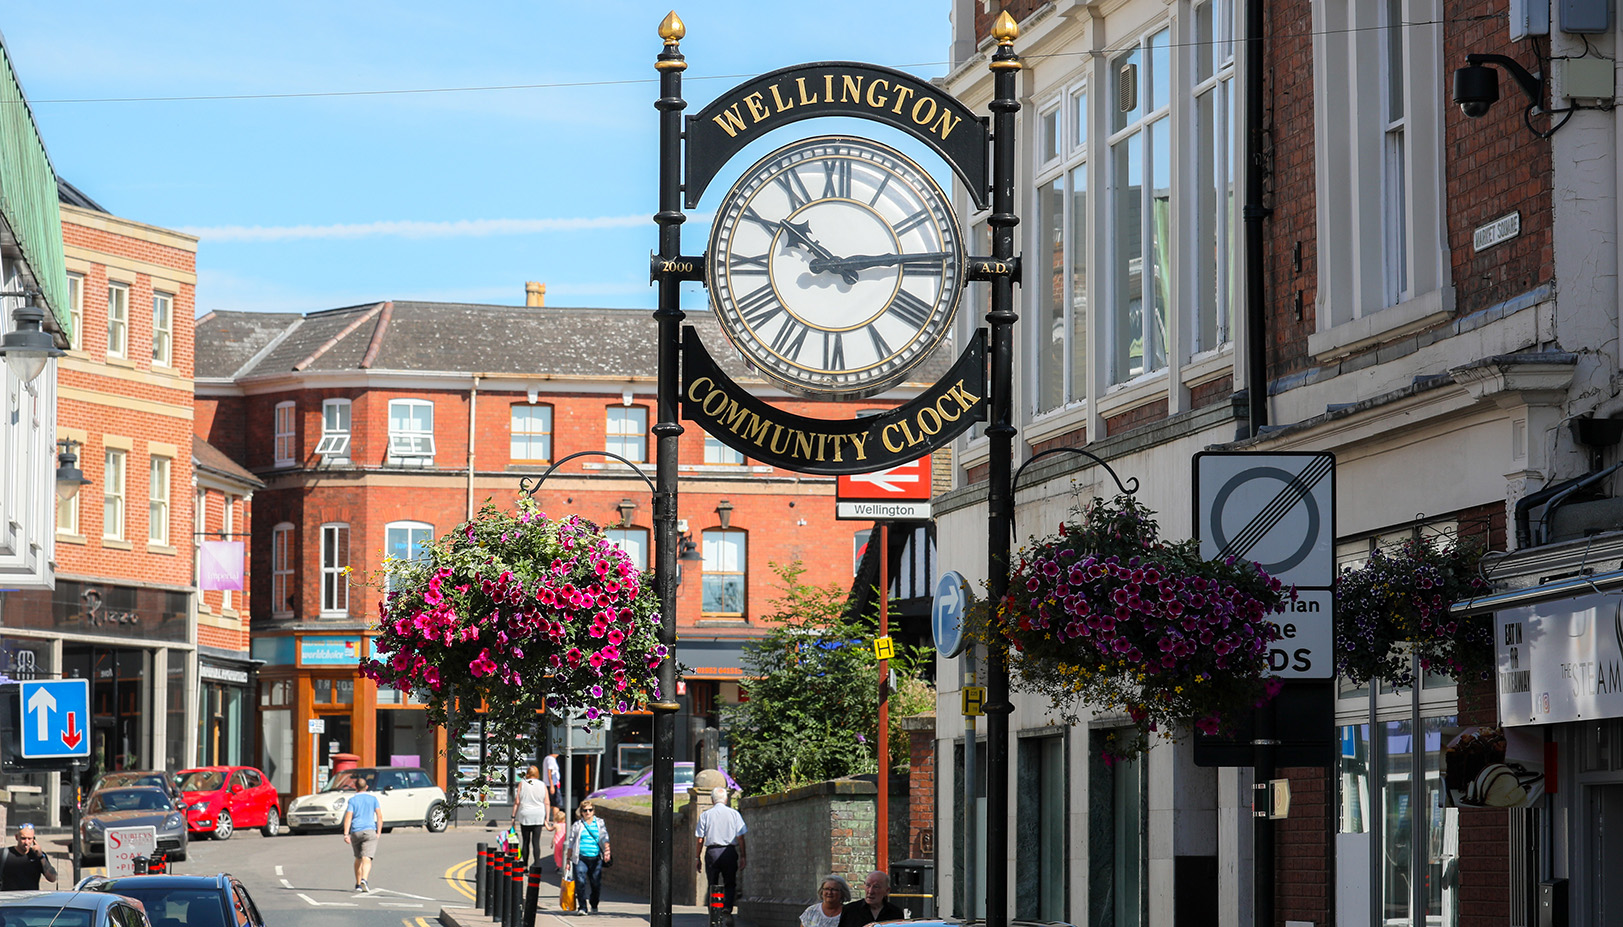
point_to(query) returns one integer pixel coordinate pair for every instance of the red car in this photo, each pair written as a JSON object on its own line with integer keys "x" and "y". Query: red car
{"x": 220, "y": 799}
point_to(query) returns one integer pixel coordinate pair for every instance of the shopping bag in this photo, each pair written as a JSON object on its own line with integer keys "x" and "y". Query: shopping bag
{"x": 514, "y": 841}
{"x": 566, "y": 895}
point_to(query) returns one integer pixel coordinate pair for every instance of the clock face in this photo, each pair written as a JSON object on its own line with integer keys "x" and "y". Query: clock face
{"x": 835, "y": 265}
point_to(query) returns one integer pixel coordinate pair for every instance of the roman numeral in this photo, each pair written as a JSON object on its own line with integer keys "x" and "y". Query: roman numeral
{"x": 752, "y": 216}
{"x": 759, "y": 306}
{"x": 791, "y": 335}
{"x": 880, "y": 347}
{"x": 910, "y": 309}
{"x": 837, "y": 178}
{"x": 833, "y": 351}
{"x": 789, "y": 180}
{"x": 749, "y": 264}
{"x": 912, "y": 222}
{"x": 880, "y": 190}
{"x": 923, "y": 268}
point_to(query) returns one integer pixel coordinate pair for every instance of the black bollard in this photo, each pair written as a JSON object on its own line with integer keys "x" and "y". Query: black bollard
{"x": 498, "y": 889}
{"x": 532, "y": 896}
{"x": 481, "y": 858}
{"x": 515, "y": 896}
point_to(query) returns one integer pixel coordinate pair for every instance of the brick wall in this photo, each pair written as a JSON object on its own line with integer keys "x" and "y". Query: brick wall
{"x": 1290, "y": 248}
{"x": 1304, "y": 855}
{"x": 630, "y": 823}
{"x": 921, "y": 799}
{"x": 987, "y": 13}
{"x": 796, "y": 838}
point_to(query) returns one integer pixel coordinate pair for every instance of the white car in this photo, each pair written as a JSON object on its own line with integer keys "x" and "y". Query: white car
{"x": 406, "y": 795}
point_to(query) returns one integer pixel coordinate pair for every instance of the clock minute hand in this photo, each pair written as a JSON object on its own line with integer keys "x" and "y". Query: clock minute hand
{"x": 865, "y": 261}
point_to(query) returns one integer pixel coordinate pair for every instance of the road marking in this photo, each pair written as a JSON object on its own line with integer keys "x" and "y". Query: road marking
{"x": 278, "y": 870}
{"x": 390, "y": 891}
{"x": 417, "y": 922}
{"x": 327, "y": 904}
{"x": 458, "y": 877}
{"x": 397, "y": 904}
{"x": 285, "y": 883}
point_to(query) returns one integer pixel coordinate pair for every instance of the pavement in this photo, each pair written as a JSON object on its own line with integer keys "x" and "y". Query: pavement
{"x": 616, "y": 909}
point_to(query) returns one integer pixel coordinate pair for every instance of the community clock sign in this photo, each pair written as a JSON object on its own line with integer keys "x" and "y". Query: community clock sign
{"x": 835, "y": 266}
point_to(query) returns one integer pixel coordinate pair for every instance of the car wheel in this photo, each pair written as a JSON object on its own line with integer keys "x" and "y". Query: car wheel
{"x": 273, "y": 823}
{"x": 437, "y": 818}
{"x": 223, "y": 826}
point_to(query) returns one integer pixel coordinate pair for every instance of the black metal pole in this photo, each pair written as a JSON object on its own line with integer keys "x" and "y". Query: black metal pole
{"x": 1005, "y": 66}
{"x": 1262, "y": 827}
{"x": 1256, "y": 360}
{"x": 481, "y": 857}
{"x": 76, "y": 848}
{"x": 532, "y": 894}
{"x": 667, "y": 430}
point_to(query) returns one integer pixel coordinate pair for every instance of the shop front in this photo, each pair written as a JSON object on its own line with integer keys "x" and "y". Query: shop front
{"x": 225, "y": 706}
{"x": 131, "y": 643}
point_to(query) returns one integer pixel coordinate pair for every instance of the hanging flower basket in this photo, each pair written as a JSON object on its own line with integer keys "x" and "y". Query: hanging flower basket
{"x": 512, "y": 609}
{"x": 1396, "y": 605}
{"x": 1107, "y": 614}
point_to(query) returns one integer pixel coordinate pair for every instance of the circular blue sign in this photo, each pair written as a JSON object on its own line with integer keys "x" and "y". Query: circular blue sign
{"x": 947, "y": 614}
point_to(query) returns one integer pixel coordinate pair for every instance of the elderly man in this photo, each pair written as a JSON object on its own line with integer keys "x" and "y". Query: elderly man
{"x": 874, "y": 905}
{"x": 24, "y": 864}
{"x": 720, "y": 849}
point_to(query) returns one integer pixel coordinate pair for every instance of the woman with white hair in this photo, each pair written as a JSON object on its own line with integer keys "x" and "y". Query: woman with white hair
{"x": 832, "y": 894}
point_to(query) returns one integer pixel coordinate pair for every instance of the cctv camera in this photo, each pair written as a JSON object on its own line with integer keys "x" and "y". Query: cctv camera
{"x": 1476, "y": 89}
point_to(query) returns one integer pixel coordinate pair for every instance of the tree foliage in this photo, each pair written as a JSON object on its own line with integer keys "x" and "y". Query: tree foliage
{"x": 813, "y": 709}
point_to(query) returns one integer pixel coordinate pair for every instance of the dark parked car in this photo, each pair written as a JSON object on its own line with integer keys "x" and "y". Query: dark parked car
{"x": 137, "y": 807}
{"x": 133, "y": 778}
{"x": 220, "y": 799}
{"x": 641, "y": 782}
{"x": 69, "y": 909}
{"x": 183, "y": 901}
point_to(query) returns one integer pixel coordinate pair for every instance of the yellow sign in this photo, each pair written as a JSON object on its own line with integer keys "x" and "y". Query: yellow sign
{"x": 974, "y": 699}
{"x": 884, "y": 648}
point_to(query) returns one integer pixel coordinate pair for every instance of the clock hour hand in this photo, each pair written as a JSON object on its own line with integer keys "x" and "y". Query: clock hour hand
{"x": 801, "y": 231}
{"x": 864, "y": 261}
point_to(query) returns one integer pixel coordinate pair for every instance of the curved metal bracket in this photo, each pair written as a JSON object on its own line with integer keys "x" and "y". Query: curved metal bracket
{"x": 1014, "y": 483}
{"x": 525, "y": 486}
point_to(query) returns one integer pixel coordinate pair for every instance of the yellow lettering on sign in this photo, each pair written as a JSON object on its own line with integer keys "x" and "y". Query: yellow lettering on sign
{"x": 693, "y": 389}
{"x": 730, "y": 121}
{"x": 778, "y": 99}
{"x": 804, "y": 99}
{"x": 851, "y": 88}
{"x": 884, "y": 648}
{"x": 859, "y": 442}
{"x": 917, "y": 107}
{"x": 874, "y": 99}
{"x": 974, "y": 698}
{"x": 943, "y": 127}
{"x": 902, "y": 93}
{"x": 757, "y": 105}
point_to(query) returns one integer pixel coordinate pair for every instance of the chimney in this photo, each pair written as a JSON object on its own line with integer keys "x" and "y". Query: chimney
{"x": 535, "y": 294}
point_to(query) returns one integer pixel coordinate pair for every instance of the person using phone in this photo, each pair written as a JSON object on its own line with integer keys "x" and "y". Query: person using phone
{"x": 25, "y": 864}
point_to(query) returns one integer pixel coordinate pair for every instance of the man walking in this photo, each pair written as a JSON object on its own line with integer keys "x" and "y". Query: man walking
{"x": 721, "y": 851}
{"x": 25, "y": 863}
{"x": 360, "y": 827}
{"x": 874, "y": 905}
{"x": 553, "y": 779}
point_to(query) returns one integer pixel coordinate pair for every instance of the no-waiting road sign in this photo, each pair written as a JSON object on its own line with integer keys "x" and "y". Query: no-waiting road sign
{"x": 901, "y": 492}
{"x": 54, "y": 714}
{"x": 1276, "y": 509}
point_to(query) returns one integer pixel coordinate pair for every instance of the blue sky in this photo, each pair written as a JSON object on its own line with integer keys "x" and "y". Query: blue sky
{"x": 306, "y": 203}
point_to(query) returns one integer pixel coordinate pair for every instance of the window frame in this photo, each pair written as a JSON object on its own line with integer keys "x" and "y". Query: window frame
{"x": 334, "y": 444}
{"x": 412, "y": 529}
{"x": 714, "y": 449}
{"x": 115, "y": 474}
{"x": 1213, "y": 303}
{"x": 282, "y": 570}
{"x": 741, "y": 571}
{"x": 118, "y": 318}
{"x": 1068, "y": 168}
{"x": 285, "y": 432}
{"x": 228, "y": 521}
{"x": 414, "y": 444}
{"x": 69, "y": 507}
{"x": 163, "y": 335}
{"x": 639, "y": 552}
{"x": 610, "y": 437}
{"x": 160, "y": 474}
{"x": 529, "y": 435}
{"x": 76, "y": 310}
{"x": 334, "y": 575}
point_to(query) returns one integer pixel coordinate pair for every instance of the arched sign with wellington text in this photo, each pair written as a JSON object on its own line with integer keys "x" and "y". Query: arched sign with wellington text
{"x": 837, "y": 88}
{"x": 732, "y": 415}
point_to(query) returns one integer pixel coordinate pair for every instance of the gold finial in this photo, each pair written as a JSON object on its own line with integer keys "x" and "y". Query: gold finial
{"x": 1005, "y": 30}
{"x": 672, "y": 29}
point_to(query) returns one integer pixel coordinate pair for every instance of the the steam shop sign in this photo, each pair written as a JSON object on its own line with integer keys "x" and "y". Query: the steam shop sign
{"x": 1561, "y": 661}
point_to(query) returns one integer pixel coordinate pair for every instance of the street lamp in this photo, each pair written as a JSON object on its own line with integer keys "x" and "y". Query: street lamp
{"x": 28, "y": 346}
{"x": 724, "y": 511}
{"x": 68, "y": 475}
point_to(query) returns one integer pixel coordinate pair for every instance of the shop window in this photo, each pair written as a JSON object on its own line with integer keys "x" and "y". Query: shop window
{"x": 275, "y": 693}
{"x": 1040, "y": 847}
{"x": 627, "y": 433}
{"x": 724, "y": 570}
{"x": 332, "y": 692}
{"x": 1116, "y": 835}
{"x": 334, "y": 571}
{"x": 411, "y": 432}
{"x": 530, "y": 433}
{"x": 282, "y": 584}
{"x": 334, "y": 444}
{"x": 283, "y": 417}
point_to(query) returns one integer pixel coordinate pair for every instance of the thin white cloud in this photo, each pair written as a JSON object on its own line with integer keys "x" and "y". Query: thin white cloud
{"x": 462, "y": 228}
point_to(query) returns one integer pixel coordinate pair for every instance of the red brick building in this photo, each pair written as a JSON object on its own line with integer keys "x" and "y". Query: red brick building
{"x": 378, "y": 427}
{"x": 124, "y": 613}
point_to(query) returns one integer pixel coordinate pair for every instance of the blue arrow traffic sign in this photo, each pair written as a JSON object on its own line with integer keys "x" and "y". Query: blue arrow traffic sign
{"x": 947, "y": 613}
{"x": 54, "y": 715}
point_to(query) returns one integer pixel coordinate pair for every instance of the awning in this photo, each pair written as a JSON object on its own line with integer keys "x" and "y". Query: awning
{"x": 1561, "y": 588}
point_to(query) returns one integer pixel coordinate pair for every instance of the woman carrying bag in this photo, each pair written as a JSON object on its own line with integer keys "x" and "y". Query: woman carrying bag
{"x": 530, "y": 814}
{"x": 587, "y": 853}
